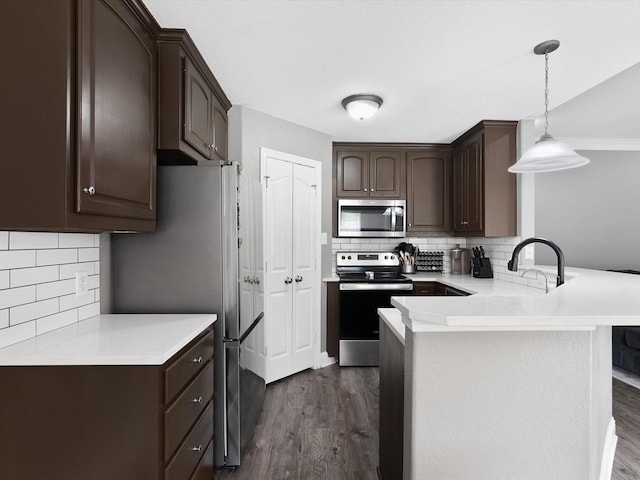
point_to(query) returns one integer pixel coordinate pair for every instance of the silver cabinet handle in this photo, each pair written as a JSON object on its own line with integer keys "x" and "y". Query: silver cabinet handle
{"x": 365, "y": 189}
{"x": 196, "y": 449}
{"x": 410, "y": 225}
{"x": 197, "y": 360}
{"x": 288, "y": 280}
{"x": 298, "y": 278}
{"x": 373, "y": 189}
{"x": 215, "y": 148}
{"x": 197, "y": 400}
{"x": 256, "y": 280}
{"x": 90, "y": 190}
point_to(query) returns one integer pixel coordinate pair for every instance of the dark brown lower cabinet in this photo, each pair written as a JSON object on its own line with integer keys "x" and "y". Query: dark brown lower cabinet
{"x": 391, "y": 404}
{"x": 124, "y": 422}
{"x": 333, "y": 320}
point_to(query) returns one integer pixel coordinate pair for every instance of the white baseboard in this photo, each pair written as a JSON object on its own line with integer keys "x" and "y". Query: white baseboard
{"x": 325, "y": 360}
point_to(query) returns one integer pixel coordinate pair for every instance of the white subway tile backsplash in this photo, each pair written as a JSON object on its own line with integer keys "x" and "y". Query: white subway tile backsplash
{"x": 17, "y": 296}
{"x": 69, "y": 270}
{"x": 32, "y": 240}
{"x": 32, "y": 311}
{"x": 17, "y": 333}
{"x": 59, "y": 320}
{"x": 56, "y": 289}
{"x": 57, "y": 257}
{"x": 77, "y": 240}
{"x": 88, "y": 311}
{"x": 31, "y": 276}
{"x": 73, "y": 301}
{"x": 88, "y": 254}
{"x": 17, "y": 259}
{"x": 37, "y": 282}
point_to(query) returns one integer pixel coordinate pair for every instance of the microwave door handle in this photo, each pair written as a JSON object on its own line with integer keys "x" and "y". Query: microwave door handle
{"x": 393, "y": 219}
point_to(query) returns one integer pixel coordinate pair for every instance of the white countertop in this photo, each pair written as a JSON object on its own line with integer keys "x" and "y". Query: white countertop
{"x": 110, "y": 340}
{"x": 588, "y": 298}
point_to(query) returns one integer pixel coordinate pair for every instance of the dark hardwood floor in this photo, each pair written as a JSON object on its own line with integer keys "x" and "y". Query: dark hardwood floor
{"x": 318, "y": 424}
{"x": 626, "y": 411}
{"x": 323, "y": 424}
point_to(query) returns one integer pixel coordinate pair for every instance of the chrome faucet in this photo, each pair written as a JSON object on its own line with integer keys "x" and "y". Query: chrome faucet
{"x": 513, "y": 263}
{"x": 546, "y": 280}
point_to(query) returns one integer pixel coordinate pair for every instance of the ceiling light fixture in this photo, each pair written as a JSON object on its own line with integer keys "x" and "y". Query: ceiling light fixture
{"x": 548, "y": 154}
{"x": 362, "y": 105}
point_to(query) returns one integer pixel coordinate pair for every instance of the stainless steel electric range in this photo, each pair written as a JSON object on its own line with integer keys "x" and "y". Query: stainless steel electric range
{"x": 368, "y": 280}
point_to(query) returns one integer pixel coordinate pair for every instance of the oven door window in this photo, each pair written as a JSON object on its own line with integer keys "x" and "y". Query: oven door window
{"x": 371, "y": 218}
{"x": 359, "y": 315}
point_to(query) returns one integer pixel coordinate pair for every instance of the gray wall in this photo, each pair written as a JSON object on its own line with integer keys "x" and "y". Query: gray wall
{"x": 592, "y": 213}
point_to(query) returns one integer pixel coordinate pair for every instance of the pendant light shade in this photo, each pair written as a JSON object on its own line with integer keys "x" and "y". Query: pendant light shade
{"x": 362, "y": 106}
{"x": 548, "y": 154}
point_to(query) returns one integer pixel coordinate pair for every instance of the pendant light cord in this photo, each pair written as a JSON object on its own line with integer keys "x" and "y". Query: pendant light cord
{"x": 546, "y": 92}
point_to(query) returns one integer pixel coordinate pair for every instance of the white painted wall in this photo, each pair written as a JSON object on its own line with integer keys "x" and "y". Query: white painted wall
{"x": 592, "y": 212}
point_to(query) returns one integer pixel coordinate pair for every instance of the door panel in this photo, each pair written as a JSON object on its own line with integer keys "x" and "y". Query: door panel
{"x": 475, "y": 184}
{"x": 428, "y": 201}
{"x": 198, "y": 104}
{"x": 385, "y": 171}
{"x": 352, "y": 174}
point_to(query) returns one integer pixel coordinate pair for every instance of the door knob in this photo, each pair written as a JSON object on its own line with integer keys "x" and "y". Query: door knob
{"x": 247, "y": 279}
{"x": 256, "y": 280}
{"x": 90, "y": 190}
{"x": 288, "y": 280}
{"x": 298, "y": 278}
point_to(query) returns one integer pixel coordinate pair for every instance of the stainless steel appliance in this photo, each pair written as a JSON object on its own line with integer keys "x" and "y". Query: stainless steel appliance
{"x": 190, "y": 265}
{"x": 368, "y": 280}
{"x": 372, "y": 218}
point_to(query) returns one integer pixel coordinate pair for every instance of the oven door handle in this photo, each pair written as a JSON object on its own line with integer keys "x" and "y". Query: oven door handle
{"x": 376, "y": 286}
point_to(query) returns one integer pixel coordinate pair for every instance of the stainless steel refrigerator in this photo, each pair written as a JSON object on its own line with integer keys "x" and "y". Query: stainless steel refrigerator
{"x": 190, "y": 265}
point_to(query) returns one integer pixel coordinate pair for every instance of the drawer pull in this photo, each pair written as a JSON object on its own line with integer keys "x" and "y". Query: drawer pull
{"x": 197, "y": 400}
{"x": 197, "y": 360}
{"x": 196, "y": 449}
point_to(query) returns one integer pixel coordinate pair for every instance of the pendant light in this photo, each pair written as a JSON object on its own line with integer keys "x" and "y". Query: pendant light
{"x": 548, "y": 154}
{"x": 362, "y": 105}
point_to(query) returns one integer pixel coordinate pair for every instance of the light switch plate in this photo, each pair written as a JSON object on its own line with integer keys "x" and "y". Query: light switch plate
{"x": 323, "y": 238}
{"x": 82, "y": 284}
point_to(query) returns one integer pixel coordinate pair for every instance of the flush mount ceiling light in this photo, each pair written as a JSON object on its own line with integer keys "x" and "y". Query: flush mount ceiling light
{"x": 548, "y": 154}
{"x": 362, "y": 105}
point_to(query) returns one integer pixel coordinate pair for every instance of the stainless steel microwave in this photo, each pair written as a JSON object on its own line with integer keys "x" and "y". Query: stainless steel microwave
{"x": 372, "y": 218}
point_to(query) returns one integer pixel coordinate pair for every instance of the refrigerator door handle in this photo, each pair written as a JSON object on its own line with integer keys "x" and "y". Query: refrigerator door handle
{"x": 235, "y": 342}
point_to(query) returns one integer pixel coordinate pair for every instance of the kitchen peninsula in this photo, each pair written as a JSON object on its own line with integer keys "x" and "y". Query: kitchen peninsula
{"x": 510, "y": 382}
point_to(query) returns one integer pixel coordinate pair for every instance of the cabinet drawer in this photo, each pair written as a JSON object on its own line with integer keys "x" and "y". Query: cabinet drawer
{"x": 178, "y": 374}
{"x": 187, "y": 408}
{"x": 192, "y": 449}
{"x": 204, "y": 470}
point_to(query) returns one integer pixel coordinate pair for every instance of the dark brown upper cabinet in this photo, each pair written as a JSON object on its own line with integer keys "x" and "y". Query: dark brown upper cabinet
{"x": 428, "y": 193}
{"x": 79, "y": 128}
{"x": 193, "y": 107}
{"x": 484, "y": 192}
{"x": 369, "y": 173}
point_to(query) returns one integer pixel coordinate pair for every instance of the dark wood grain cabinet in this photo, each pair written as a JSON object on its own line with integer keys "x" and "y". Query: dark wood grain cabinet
{"x": 428, "y": 192}
{"x": 391, "y": 420}
{"x": 79, "y": 127}
{"x": 369, "y": 173}
{"x": 333, "y": 320}
{"x": 484, "y": 192}
{"x": 106, "y": 422}
{"x": 193, "y": 107}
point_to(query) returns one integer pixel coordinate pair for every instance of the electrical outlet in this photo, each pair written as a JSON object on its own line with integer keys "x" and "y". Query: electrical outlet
{"x": 82, "y": 284}
{"x": 323, "y": 238}
{"x": 529, "y": 252}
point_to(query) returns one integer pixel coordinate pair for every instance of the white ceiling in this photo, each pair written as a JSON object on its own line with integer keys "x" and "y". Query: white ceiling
{"x": 440, "y": 66}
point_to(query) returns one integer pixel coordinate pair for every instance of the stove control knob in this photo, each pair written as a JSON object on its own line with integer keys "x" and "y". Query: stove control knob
{"x": 349, "y": 257}
{"x": 343, "y": 257}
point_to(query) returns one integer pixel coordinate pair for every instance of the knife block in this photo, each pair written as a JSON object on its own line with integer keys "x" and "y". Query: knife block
{"x": 482, "y": 267}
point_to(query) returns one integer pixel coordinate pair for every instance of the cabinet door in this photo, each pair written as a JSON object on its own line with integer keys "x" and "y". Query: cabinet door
{"x": 198, "y": 108}
{"x": 385, "y": 175}
{"x": 352, "y": 174}
{"x": 428, "y": 199}
{"x": 475, "y": 183}
{"x": 424, "y": 288}
{"x": 219, "y": 151}
{"x": 116, "y": 160}
{"x": 459, "y": 189}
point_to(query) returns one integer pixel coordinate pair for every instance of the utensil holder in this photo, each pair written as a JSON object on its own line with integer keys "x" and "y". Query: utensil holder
{"x": 408, "y": 268}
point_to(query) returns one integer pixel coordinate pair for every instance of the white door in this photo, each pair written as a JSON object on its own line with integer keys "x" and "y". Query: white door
{"x": 292, "y": 284}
